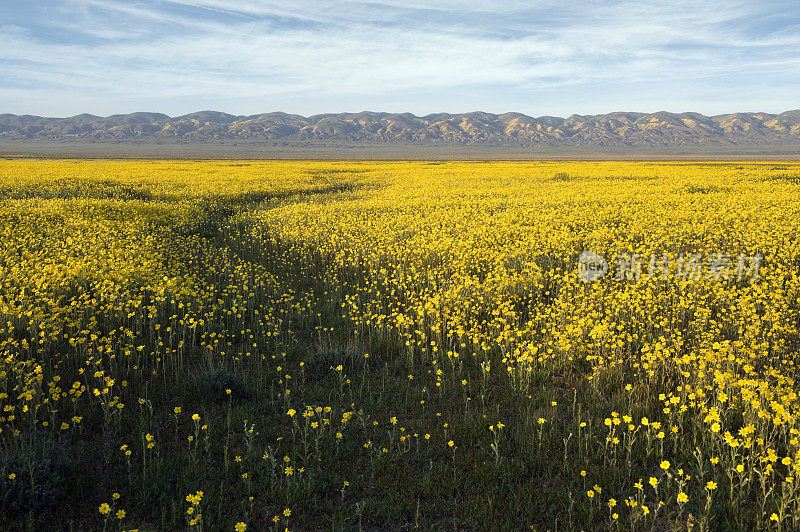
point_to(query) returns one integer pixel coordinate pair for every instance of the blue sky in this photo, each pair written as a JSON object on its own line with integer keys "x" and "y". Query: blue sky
{"x": 60, "y": 58}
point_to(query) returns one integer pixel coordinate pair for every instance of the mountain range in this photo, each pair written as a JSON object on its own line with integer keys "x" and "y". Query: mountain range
{"x": 619, "y": 129}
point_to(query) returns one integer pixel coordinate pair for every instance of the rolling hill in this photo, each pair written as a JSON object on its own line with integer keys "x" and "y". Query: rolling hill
{"x": 619, "y": 129}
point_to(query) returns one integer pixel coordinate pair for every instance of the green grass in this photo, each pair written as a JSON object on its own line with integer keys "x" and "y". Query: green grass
{"x": 524, "y": 475}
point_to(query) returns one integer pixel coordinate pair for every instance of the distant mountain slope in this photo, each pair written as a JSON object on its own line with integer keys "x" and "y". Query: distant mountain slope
{"x": 620, "y": 129}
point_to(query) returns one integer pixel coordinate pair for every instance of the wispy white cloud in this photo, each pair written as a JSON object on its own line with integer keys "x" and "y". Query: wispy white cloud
{"x": 319, "y": 55}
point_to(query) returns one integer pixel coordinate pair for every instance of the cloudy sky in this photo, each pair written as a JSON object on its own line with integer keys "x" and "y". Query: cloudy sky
{"x": 539, "y": 57}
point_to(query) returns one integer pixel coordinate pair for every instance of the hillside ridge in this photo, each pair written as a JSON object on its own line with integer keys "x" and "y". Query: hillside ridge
{"x": 617, "y": 129}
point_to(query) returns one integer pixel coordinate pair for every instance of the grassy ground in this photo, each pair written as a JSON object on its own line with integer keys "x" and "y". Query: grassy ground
{"x": 338, "y": 150}
{"x": 172, "y": 353}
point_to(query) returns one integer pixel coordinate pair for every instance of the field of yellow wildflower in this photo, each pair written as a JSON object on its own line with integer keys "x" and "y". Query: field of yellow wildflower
{"x": 227, "y": 345}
